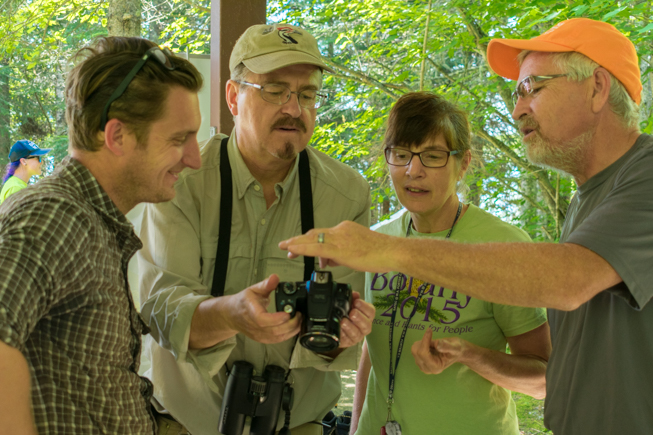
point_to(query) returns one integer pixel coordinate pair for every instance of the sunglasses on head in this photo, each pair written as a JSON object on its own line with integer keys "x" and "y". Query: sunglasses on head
{"x": 153, "y": 53}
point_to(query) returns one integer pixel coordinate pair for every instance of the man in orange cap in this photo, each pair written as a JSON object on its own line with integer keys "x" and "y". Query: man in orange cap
{"x": 576, "y": 105}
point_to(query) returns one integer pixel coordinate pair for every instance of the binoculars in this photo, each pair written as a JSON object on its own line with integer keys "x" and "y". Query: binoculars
{"x": 258, "y": 397}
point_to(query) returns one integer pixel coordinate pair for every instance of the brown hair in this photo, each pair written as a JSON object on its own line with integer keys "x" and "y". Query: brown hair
{"x": 419, "y": 116}
{"x": 105, "y": 64}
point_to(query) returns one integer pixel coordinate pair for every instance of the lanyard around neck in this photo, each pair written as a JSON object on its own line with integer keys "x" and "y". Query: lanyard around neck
{"x": 401, "y": 283}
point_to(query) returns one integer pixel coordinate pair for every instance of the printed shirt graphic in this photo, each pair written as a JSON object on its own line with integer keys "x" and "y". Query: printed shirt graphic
{"x": 457, "y": 401}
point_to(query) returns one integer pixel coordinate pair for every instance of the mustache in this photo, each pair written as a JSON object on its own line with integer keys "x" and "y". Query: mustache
{"x": 527, "y": 123}
{"x": 289, "y": 121}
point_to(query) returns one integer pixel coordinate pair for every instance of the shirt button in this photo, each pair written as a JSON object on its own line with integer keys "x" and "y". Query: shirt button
{"x": 262, "y": 221}
{"x": 257, "y": 187}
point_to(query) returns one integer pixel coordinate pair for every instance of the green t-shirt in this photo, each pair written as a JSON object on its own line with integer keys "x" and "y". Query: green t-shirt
{"x": 13, "y": 185}
{"x": 457, "y": 401}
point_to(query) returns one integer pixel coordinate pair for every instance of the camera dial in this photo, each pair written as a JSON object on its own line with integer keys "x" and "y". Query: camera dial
{"x": 289, "y": 288}
{"x": 288, "y": 309}
{"x": 257, "y": 386}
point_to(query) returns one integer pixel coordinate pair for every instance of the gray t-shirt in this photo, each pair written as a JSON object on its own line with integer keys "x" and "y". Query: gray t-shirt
{"x": 600, "y": 375}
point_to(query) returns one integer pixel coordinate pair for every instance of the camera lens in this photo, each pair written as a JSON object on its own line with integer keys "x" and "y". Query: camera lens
{"x": 319, "y": 342}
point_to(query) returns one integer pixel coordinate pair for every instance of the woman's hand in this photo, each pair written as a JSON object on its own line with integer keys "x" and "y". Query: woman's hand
{"x": 433, "y": 356}
{"x": 522, "y": 370}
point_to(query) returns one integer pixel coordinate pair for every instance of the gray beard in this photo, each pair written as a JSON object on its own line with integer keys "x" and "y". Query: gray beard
{"x": 567, "y": 157}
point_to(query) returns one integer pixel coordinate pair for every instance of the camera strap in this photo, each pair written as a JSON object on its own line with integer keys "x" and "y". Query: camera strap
{"x": 226, "y": 211}
{"x": 400, "y": 284}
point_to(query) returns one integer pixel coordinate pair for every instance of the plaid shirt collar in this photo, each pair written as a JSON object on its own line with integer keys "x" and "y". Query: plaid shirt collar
{"x": 80, "y": 177}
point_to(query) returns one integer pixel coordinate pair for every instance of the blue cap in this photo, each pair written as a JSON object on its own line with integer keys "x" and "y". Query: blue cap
{"x": 26, "y": 148}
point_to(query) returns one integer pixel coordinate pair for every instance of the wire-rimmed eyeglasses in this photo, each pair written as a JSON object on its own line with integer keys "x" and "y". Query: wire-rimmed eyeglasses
{"x": 430, "y": 158}
{"x": 525, "y": 87}
{"x": 280, "y": 94}
{"x": 153, "y": 53}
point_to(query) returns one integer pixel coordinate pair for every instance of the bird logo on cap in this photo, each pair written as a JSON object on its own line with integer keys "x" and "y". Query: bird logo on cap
{"x": 284, "y": 34}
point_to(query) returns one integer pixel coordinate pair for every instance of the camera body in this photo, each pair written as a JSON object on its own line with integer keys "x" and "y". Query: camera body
{"x": 259, "y": 397}
{"x": 322, "y": 302}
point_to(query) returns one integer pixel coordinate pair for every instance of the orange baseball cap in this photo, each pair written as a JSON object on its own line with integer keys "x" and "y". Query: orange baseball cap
{"x": 599, "y": 41}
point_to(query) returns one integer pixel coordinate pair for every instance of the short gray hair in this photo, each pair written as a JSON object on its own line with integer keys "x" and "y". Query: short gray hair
{"x": 240, "y": 73}
{"x": 580, "y": 67}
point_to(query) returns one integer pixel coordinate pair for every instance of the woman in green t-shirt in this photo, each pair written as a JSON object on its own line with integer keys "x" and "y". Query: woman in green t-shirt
{"x": 453, "y": 374}
{"x": 24, "y": 162}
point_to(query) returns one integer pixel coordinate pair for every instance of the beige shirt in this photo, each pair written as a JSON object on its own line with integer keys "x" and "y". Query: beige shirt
{"x": 177, "y": 263}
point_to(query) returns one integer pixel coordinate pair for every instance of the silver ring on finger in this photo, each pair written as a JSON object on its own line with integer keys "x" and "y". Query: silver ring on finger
{"x": 320, "y": 238}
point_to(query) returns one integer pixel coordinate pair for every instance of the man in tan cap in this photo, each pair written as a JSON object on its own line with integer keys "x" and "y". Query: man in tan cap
{"x": 576, "y": 107}
{"x": 270, "y": 172}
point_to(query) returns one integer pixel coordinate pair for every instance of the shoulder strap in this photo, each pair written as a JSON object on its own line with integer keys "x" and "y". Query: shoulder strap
{"x": 226, "y": 211}
{"x": 306, "y": 204}
{"x": 224, "y": 233}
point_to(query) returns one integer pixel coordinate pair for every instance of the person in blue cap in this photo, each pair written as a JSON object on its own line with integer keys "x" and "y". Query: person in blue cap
{"x": 25, "y": 159}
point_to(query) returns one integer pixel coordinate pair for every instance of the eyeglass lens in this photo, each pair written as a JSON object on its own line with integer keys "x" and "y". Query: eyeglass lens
{"x": 430, "y": 159}
{"x": 525, "y": 87}
{"x": 280, "y": 94}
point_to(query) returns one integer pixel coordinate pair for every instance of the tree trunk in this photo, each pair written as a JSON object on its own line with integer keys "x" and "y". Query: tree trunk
{"x": 124, "y": 17}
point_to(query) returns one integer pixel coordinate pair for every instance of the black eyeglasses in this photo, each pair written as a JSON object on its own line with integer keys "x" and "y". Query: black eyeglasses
{"x": 34, "y": 157}
{"x": 280, "y": 94}
{"x": 525, "y": 87}
{"x": 430, "y": 159}
{"x": 155, "y": 53}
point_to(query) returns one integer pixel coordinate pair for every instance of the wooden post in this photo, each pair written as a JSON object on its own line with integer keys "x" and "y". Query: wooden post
{"x": 229, "y": 19}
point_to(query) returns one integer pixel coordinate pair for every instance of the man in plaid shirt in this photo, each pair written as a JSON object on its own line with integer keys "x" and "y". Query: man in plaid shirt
{"x": 69, "y": 333}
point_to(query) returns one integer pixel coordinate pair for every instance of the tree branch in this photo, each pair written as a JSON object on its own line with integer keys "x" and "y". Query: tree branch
{"x": 509, "y": 186}
{"x": 479, "y": 36}
{"x": 197, "y": 6}
{"x": 426, "y": 35}
{"x": 470, "y": 92}
{"x": 362, "y": 78}
{"x": 45, "y": 114}
{"x": 540, "y": 175}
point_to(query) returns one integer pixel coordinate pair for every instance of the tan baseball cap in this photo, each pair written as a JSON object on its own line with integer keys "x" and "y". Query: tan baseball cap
{"x": 266, "y": 47}
{"x": 599, "y": 41}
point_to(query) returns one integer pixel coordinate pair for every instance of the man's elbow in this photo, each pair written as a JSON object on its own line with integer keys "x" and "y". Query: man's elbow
{"x": 538, "y": 390}
{"x": 576, "y": 294}
{"x": 540, "y": 394}
{"x": 568, "y": 304}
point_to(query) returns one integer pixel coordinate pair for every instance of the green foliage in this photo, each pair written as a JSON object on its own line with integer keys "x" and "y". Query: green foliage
{"x": 529, "y": 413}
{"x": 37, "y": 41}
{"x": 182, "y": 25}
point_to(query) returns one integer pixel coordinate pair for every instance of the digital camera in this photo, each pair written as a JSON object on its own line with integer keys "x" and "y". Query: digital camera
{"x": 259, "y": 397}
{"x": 322, "y": 302}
